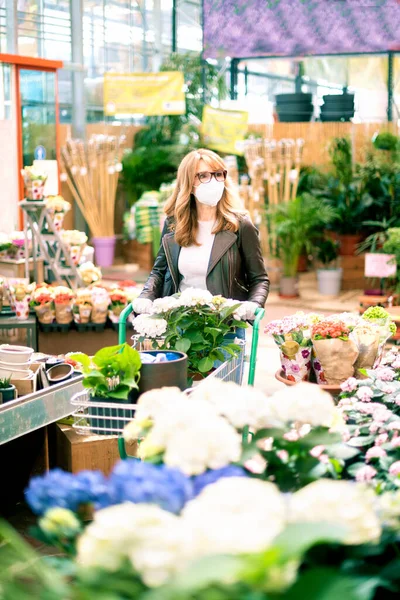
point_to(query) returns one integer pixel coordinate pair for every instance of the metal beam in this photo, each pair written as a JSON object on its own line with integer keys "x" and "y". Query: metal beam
{"x": 12, "y": 26}
{"x": 390, "y": 86}
{"x": 234, "y": 78}
{"x": 174, "y": 24}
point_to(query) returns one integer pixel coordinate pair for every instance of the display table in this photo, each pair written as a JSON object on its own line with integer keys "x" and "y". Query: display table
{"x": 9, "y": 322}
{"x": 29, "y": 413}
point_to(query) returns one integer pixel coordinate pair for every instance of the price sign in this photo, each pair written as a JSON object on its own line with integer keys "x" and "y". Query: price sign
{"x": 380, "y": 265}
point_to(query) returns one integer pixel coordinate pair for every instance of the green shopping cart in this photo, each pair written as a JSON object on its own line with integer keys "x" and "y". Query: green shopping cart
{"x": 105, "y": 418}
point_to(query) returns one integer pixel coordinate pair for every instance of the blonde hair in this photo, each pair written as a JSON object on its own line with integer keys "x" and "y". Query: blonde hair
{"x": 181, "y": 206}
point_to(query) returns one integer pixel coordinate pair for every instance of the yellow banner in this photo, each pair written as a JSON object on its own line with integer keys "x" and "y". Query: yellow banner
{"x": 150, "y": 94}
{"x": 224, "y": 130}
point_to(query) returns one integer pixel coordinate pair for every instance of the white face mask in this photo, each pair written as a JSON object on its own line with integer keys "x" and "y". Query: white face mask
{"x": 210, "y": 193}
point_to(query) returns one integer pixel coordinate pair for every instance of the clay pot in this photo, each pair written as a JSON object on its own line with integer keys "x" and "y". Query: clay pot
{"x": 349, "y": 243}
{"x": 288, "y": 287}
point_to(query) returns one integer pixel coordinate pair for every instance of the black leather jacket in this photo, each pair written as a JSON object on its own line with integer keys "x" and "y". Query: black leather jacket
{"x": 236, "y": 268}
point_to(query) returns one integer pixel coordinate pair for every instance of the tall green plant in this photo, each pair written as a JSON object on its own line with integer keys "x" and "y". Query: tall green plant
{"x": 294, "y": 226}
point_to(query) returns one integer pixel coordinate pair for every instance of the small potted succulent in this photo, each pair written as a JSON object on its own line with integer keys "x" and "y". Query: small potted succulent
{"x": 7, "y": 390}
{"x": 329, "y": 274}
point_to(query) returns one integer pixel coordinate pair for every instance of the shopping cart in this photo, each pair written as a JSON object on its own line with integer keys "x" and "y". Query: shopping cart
{"x": 107, "y": 418}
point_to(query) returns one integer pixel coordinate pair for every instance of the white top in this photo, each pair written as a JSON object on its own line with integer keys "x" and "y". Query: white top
{"x": 193, "y": 260}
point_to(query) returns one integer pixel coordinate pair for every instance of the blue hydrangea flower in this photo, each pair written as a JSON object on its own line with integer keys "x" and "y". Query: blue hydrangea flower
{"x": 65, "y": 490}
{"x": 141, "y": 482}
{"x": 201, "y": 481}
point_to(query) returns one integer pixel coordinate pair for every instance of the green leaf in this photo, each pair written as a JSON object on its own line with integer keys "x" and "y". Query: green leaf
{"x": 183, "y": 345}
{"x": 82, "y": 359}
{"x": 343, "y": 451}
{"x": 212, "y": 331}
{"x": 327, "y": 584}
{"x": 217, "y": 355}
{"x": 194, "y": 336}
{"x": 362, "y": 440}
{"x": 320, "y": 436}
{"x": 103, "y": 357}
{"x": 205, "y": 364}
{"x": 228, "y": 311}
{"x": 298, "y": 538}
{"x": 121, "y": 392}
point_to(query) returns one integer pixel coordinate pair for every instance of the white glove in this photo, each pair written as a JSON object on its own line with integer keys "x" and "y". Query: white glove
{"x": 142, "y": 306}
{"x": 246, "y": 311}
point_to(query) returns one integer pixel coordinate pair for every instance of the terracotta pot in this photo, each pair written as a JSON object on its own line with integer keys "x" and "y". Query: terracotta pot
{"x": 302, "y": 266}
{"x": 349, "y": 243}
{"x": 332, "y": 389}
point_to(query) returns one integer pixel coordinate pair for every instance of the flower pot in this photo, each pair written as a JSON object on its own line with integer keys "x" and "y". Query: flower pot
{"x": 332, "y": 389}
{"x": 106, "y": 420}
{"x": 7, "y": 394}
{"x": 288, "y": 287}
{"x": 302, "y": 266}
{"x": 171, "y": 373}
{"x": 349, "y": 243}
{"x": 104, "y": 249}
{"x": 329, "y": 281}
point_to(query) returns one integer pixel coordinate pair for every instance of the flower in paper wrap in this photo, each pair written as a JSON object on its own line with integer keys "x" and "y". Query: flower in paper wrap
{"x": 63, "y": 300}
{"x": 75, "y": 241}
{"x": 155, "y": 541}
{"x": 366, "y": 336}
{"x": 118, "y": 301}
{"x": 100, "y": 302}
{"x": 21, "y": 295}
{"x": 57, "y": 207}
{"x": 34, "y": 181}
{"x": 236, "y": 515}
{"x": 89, "y": 273}
{"x": 82, "y": 307}
{"x": 341, "y": 502}
{"x": 149, "y": 326}
{"x": 43, "y": 304}
{"x": 335, "y": 353}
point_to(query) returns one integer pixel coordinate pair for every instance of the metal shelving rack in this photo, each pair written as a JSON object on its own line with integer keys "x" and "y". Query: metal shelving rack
{"x": 48, "y": 246}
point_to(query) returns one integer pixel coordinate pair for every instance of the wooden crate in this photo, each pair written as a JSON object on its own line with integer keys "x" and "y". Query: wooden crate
{"x": 15, "y": 269}
{"x": 75, "y": 452}
{"x": 353, "y": 272}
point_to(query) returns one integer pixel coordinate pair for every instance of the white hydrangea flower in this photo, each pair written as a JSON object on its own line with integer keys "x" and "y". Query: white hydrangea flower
{"x": 149, "y": 326}
{"x": 155, "y": 541}
{"x": 150, "y": 403}
{"x": 241, "y": 405}
{"x": 235, "y": 515}
{"x": 164, "y": 305}
{"x": 304, "y": 403}
{"x": 341, "y": 502}
{"x": 195, "y": 297}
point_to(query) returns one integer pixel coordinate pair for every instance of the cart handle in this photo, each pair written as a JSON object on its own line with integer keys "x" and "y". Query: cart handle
{"x": 122, "y": 323}
{"x": 259, "y": 313}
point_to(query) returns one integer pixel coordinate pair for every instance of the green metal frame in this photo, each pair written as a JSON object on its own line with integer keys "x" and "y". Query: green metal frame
{"x": 252, "y": 367}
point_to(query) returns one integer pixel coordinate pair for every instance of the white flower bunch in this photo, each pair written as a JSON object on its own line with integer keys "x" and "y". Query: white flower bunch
{"x": 192, "y": 436}
{"x": 239, "y": 404}
{"x": 304, "y": 403}
{"x": 235, "y": 515}
{"x": 164, "y": 305}
{"x": 195, "y": 297}
{"x": 149, "y": 326}
{"x": 152, "y": 539}
{"x": 341, "y": 502}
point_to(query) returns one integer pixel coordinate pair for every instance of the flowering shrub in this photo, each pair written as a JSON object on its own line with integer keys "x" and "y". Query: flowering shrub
{"x": 196, "y": 323}
{"x": 330, "y": 330}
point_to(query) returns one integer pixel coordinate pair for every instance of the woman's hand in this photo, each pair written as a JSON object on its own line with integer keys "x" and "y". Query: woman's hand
{"x": 142, "y": 306}
{"x": 247, "y": 311}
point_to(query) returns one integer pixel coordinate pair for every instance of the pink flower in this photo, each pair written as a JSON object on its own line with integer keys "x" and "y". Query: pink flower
{"x": 394, "y": 425}
{"x": 366, "y": 473}
{"x": 374, "y": 427}
{"x": 349, "y": 385}
{"x": 364, "y": 393}
{"x": 283, "y": 455}
{"x": 395, "y": 443}
{"x": 291, "y": 436}
{"x": 375, "y": 452}
{"x": 346, "y": 436}
{"x": 324, "y": 458}
{"x": 317, "y": 451}
{"x": 256, "y": 465}
{"x": 382, "y": 414}
{"x": 394, "y": 468}
{"x": 385, "y": 374}
{"x": 381, "y": 439}
{"x": 396, "y": 363}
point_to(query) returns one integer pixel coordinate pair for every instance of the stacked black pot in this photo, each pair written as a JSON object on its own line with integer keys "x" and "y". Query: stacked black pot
{"x": 294, "y": 108}
{"x": 337, "y": 107}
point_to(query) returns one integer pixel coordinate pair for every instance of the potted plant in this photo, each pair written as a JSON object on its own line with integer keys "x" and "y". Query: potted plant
{"x": 329, "y": 275}
{"x": 346, "y": 193}
{"x": 294, "y": 226}
{"x": 110, "y": 375}
{"x": 297, "y": 107}
{"x": 7, "y": 390}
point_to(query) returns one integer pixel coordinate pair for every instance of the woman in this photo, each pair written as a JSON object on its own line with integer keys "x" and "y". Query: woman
{"x": 208, "y": 242}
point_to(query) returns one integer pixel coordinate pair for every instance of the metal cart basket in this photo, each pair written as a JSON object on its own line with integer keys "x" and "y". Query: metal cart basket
{"x": 108, "y": 418}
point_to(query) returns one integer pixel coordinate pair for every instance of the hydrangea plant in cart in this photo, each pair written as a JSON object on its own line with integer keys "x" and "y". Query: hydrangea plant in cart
{"x": 197, "y": 323}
